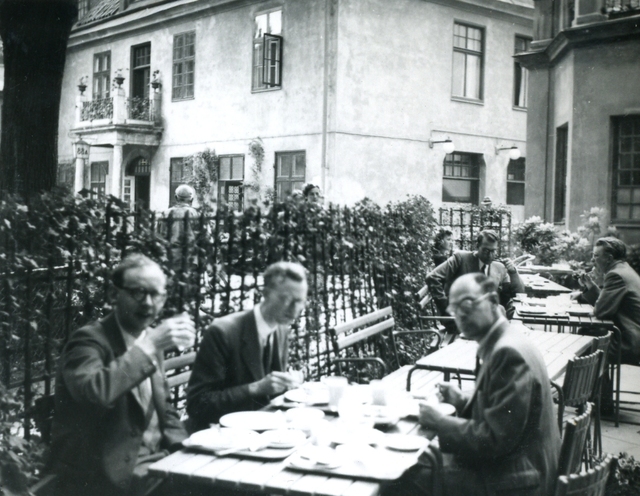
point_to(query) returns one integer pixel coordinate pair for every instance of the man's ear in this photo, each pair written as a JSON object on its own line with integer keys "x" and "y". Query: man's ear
{"x": 112, "y": 294}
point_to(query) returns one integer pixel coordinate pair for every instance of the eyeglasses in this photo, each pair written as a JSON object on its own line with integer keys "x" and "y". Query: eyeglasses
{"x": 466, "y": 305}
{"x": 140, "y": 294}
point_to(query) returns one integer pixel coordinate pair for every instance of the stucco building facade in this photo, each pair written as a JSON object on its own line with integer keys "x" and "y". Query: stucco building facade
{"x": 583, "y": 135}
{"x": 348, "y": 94}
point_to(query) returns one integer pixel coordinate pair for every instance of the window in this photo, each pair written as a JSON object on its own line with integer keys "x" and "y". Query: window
{"x": 101, "y": 75}
{"x": 230, "y": 181}
{"x": 290, "y": 173}
{"x": 515, "y": 182}
{"x": 179, "y": 173}
{"x": 461, "y": 177}
{"x": 99, "y": 177}
{"x": 67, "y": 175}
{"x": 184, "y": 61}
{"x": 267, "y": 51}
{"x": 140, "y": 70}
{"x": 560, "y": 185}
{"x": 520, "y": 74}
{"x": 468, "y": 45}
{"x": 626, "y": 169}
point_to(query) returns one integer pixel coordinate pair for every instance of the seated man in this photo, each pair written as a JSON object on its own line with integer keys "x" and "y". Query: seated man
{"x": 242, "y": 360}
{"x": 112, "y": 414}
{"x": 619, "y": 298}
{"x": 505, "y": 439}
{"x": 504, "y": 273}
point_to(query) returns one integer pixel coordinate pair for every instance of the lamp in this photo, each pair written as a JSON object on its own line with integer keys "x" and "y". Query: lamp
{"x": 514, "y": 152}
{"x": 447, "y": 145}
{"x": 81, "y": 149}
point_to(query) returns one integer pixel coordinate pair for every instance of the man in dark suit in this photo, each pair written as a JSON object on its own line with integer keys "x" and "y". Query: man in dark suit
{"x": 619, "y": 297}
{"x": 505, "y": 439}
{"x": 242, "y": 360}
{"x": 112, "y": 415}
{"x": 483, "y": 260}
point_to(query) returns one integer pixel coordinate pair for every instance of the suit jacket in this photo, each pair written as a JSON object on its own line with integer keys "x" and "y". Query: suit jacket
{"x": 507, "y": 433}
{"x": 98, "y": 421}
{"x": 619, "y": 300}
{"x": 228, "y": 360}
{"x": 466, "y": 262}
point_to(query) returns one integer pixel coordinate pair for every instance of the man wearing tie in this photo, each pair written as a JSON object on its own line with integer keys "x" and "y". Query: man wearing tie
{"x": 483, "y": 260}
{"x": 112, "y": 416}
{"x": 242, "y": 360}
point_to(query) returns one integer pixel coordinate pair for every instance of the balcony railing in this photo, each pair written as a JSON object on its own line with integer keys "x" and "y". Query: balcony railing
{"x": 139, "y": 109}
{"x": 101, "y": 108}
{"x": 619, "y": 8}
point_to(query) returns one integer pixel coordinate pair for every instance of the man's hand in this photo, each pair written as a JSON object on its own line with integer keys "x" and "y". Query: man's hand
{"x": 429, "y": 416}
{"x": 509, "y": 265}
{"x": 450, "y": 393}
{"x": 178, "y": 331}
{"x": 586, "y": 281}
{"x": 275, "y": 383}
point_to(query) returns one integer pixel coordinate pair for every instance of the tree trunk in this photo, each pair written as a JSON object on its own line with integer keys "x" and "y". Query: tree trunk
{"x": 35, "y": 35}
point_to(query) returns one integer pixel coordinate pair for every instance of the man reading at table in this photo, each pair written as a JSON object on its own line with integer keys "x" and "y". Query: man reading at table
{"x": 505, "y": 439}
{"x": 242, "y": 360}
{"x": 483, "y": 260}
{"x": 112, "y": 415}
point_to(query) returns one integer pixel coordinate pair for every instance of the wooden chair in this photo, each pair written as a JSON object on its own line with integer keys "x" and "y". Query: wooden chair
{"x": 178, "y": 372}
{"x": 590, "y": 483}
{"x": 579, "y": 383}
{"x": 429, "y": 318}
{"x": 361, "y": 341}
{"x": 574, "y": 441}
{"x": 601, "y": 343}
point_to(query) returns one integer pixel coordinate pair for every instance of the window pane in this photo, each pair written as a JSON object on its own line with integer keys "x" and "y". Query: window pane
{"x": 455, "y": 190}
{"x": 473, "y": 77}
{"x": 237, "y": 168}
{"x": 225, "y": 168}
{"x": 624, "y": 195}
{"x": 623, "y": 212}
{"x": 285, "y": 166}
{"x": 515, "y": 193}
{"x": 275, "y": 22}
{"x": 261, "y": 26}
{"x": 458, "y": 74}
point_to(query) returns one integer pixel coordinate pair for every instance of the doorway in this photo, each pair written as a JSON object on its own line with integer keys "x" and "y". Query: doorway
{"x": 137, "y": 184}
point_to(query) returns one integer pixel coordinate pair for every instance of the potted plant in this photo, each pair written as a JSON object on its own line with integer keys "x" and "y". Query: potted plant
{"x": 156, "y": 82}
{"x": 118, "y": 78}
{"x": 82, "y": 84}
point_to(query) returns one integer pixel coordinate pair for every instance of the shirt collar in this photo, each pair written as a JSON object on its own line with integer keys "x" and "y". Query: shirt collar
{"x": 264, "y": 331}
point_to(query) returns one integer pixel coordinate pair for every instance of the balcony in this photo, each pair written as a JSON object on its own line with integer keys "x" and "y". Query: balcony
{"x": 118, "y": 119}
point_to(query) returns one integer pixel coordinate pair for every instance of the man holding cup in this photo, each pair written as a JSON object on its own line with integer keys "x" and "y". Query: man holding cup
{"x": 112, "y": 415}
{"x": 242, "y": 360}
{"x": 505, "y": 439}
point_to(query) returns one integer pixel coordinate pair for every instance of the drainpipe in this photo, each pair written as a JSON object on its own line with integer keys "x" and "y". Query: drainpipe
{"x": 325, "y": 95}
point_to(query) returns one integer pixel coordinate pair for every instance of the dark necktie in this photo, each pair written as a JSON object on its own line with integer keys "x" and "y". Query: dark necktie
{"x": 267, "y": 354}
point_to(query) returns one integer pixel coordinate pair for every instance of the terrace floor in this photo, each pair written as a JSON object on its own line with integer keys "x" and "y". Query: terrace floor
{"x": 627, "y": 436}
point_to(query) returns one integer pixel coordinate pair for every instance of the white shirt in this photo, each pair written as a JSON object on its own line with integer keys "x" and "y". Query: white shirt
{"x": 264, "y": 331}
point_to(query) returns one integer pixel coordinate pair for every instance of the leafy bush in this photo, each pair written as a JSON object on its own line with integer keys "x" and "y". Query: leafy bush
{"x": 541, "y": 239}
{"x": 625, "y": 479}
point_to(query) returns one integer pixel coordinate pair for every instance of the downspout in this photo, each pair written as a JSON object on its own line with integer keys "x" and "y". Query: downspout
{"x": 546, "y": 151}
{"x": 325, "y": 96}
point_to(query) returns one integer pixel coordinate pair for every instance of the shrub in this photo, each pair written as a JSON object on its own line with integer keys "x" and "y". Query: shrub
{"x": 540, "y": 239}
{"x": 625, "y": 479}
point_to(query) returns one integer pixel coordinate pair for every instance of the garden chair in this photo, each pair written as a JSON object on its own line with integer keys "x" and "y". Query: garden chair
{"x": 601, "y": 343}
{"x": 572, "y": 452}
{"x": 590, "y": 483}
{"x": 429, "y": 318}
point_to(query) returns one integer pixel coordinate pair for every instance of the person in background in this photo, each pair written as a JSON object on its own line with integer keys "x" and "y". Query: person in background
{"x": 180, "y": 232}
{"x": 442, "y": 246}
{"x": 483, "y": 259}
{"x": 242, "y": 360}
{"x": 505, "y": 439}
{"x": 312, "y": 193}
{"x": 112, "y": 413}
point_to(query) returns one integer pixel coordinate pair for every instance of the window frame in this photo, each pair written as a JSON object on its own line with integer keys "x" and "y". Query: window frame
{"x": 259, "y": 53}
{"x": 290, "y": 179}
{"x": 560, "y": 174}
{"x": 617, "y": 171}
{"x": 104, "y": 76}
{"x": 184, "y": 60}
{"x": 474, "y": 197}
{"x": 224, "y": 184}
{"x": 94, "y": 186}
{"x": 468, "y": 52}
{"x": 145, "y": 69}
{"x": 517, "y": 162}
{"x": 519, "y": 70}
{"x": 173, "y": 161}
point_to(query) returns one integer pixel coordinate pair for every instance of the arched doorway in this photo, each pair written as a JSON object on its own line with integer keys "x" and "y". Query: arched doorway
{"x": 137, "y": 183}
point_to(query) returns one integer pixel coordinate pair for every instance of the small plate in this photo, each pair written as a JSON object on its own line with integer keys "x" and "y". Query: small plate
{"x": 343, "y": 433}
{"x": 532, "y": 311}
{"x": 255, "y": 421}
{"x": 381, "y": 415}
{"x": 315, "y": 457}
{"x": 303, "y": 414}
{"x": 445, "y": 408}
{"x": 220, "y": 439}
{"x": 283, "y": 438}
{"x": 579, "y": 312}
{"x": 403, "y": 442}
{"x": 311, "y": 393}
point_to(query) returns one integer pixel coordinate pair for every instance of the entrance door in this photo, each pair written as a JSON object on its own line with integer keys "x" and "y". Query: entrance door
{"x": 137, "y": 184}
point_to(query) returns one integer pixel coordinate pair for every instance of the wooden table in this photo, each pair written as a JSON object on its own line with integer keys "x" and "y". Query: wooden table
{"x": 556, "y": 313}
{"x": 198, "y": 470}
{"x": 556, "y": 348}
{"x": 539, "y": 286}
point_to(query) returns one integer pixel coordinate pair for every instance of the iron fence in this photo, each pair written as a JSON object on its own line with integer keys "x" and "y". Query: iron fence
{"x": 466, "y": 224}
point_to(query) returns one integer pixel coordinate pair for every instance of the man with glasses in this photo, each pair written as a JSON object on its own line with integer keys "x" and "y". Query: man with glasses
{"x": 242, "y": 360}
{"x": 505, "y": 438}
{"x": 483, "y": 260}
{"x": 112, "y": 416}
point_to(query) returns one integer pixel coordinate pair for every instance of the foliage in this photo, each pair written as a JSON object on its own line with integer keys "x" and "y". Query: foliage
{"x": 202, "y": 174}
{"x": 139, "y": 108}
{"x": 21, "y": 460}
{"x": 625, "y": 479}
{"x": 256, "y": 151}
{"x": 101, "y": 108}
{"x": 579, "y": 245}
{"x": 541, "y": 239}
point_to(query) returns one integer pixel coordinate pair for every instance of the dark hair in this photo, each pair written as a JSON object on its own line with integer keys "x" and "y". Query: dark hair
{"x": 132, "y": 261}
{"x": 442, "y": 233}
{"x": 487, "y": 286}
{"x": 283, "y": 270}
{"x": 307, "y": 189}
{"x": 614, "y": 247}
{"x": 487, "y": 235}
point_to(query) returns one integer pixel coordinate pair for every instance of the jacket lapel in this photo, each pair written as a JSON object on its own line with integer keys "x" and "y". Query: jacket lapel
{"x": 251, "y": 352}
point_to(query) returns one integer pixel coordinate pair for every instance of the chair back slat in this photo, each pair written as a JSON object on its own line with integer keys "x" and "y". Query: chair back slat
{"x": 573, "y": 442}
{"x": 364, "y": 334}
{"x": 362, "y": 321}
{"x": 580, "y": 378}
{"x": 590, "y": 483}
